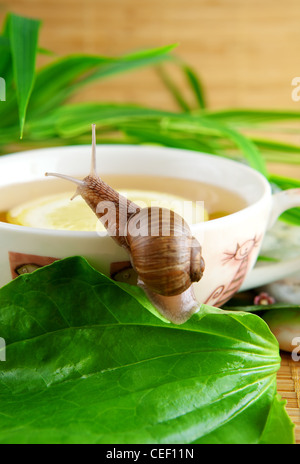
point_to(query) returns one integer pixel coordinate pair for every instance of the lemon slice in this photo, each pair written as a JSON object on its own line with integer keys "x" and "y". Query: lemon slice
{"x": 60, "y": 213}
{"x": 54, "y": 212}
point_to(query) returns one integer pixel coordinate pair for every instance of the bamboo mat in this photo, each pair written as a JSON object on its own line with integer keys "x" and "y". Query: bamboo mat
{"x": 246, "y": 52}
{"x": 288, "y": 386}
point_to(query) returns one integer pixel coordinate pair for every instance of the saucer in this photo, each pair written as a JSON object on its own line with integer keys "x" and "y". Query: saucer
{"x": 282, "y": 245}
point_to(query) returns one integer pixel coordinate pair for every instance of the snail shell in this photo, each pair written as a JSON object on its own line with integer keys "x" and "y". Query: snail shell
{"x": 164, "y": 254}
{"x": 162, "y": 250}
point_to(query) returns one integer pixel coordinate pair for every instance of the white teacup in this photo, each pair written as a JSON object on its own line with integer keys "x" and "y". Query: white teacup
{"x": 230, "y": 244}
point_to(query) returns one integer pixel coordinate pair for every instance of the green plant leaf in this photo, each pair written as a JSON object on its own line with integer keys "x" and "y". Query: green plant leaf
{"x": 277, "y": 419}
{"x": 291, "y": 216}
{"x": 274, "y": 151}
{"x": 201, "y": 125}
{"x": 74, "y": 119}
{"x": 248, "y": 117}
{"x": 263, "y": 307}
{"x": 133, "y": 61}
{"x": 58, "y": 81}
{"x": 87, "y": 362}
{"x": 5, "y": 53}
{"x": 248, "y": 148}
{"x": 23, "y": 34}
{"x": 173, "y": 89}
{"x": 196, "y": 85}
{"x": 194, "y": 82}
{"x": 148, "y": 53}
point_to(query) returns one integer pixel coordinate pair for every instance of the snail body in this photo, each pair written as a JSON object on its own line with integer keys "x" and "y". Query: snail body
{"x": 162, "y": 250}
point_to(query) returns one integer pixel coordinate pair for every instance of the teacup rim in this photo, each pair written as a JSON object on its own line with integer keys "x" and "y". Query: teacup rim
{"x": 213, "y": 223}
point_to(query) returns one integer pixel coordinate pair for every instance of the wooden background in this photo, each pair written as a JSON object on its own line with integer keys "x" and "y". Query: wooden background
{"x": 247, "y": 51}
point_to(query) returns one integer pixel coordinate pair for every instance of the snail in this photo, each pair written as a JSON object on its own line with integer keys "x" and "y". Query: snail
{"x": 162, "y": 250}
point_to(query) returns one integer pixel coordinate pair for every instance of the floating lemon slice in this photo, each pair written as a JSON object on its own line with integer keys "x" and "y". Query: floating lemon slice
{"x": 60, "y": 213}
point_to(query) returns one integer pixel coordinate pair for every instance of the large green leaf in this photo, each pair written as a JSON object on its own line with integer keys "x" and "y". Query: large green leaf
{"x": 87, "y": 362}
{"x": 23, "y": 34}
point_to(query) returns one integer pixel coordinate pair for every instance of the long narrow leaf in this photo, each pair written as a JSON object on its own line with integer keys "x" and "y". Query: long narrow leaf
{"x": 293, "y": 215}
{"x": 141, "y": 134}
{"x": 5, "y": 54}
{"x": 196, "y": 85}
{"x": 251, "y": 116}
{"x": 197, "y": 124}
{"x": 24, "y": 42}
{"x": 173, "y": 89}
{"x": 57, "y": 82}
{"x": 148, "y": 53}
{"x": 74, "y": 120}
{"x": 249, "y": 149}
{"x": 54, "y": 82}
{"x": 131, "y": 62}
{"x": 277, "y": 151}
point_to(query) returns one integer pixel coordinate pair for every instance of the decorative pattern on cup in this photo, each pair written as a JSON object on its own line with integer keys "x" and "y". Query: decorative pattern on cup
{"x": 240, "y": 258}
{"x": 22, "y": 263}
